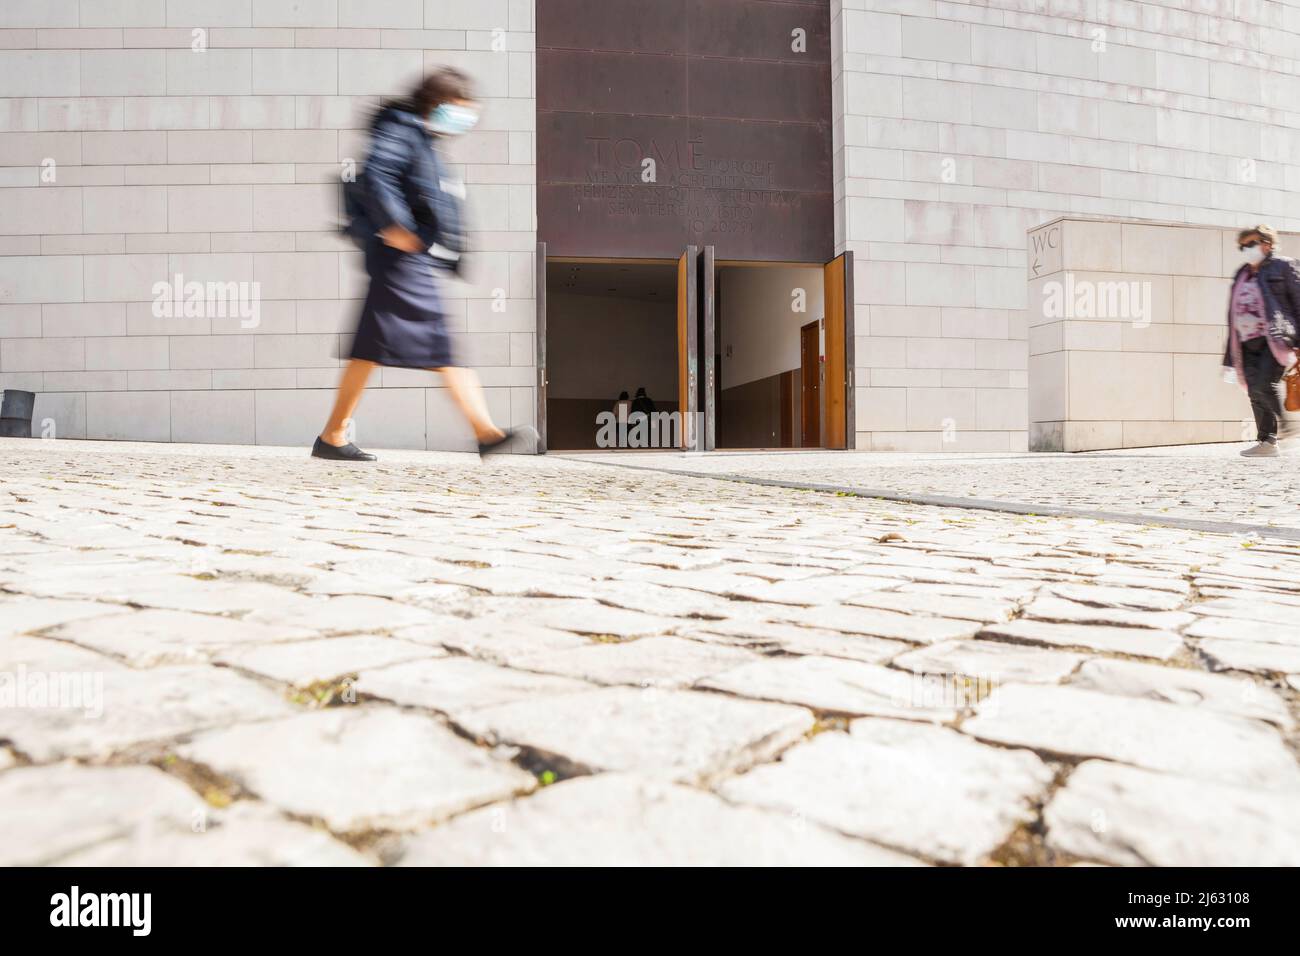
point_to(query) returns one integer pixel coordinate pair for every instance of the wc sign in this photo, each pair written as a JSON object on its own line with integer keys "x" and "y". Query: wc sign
{"x": 1045, "y": 250}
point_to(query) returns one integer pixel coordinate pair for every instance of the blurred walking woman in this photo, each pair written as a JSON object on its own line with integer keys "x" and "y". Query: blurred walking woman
{"x": 1263, "y": 315}
{"x": 407, "y": 206}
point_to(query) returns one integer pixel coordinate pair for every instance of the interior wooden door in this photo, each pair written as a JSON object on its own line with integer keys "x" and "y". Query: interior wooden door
{"x": 838, "y": 380}
{"x": 810, "y": 404}
{"x": 687, "y": 349}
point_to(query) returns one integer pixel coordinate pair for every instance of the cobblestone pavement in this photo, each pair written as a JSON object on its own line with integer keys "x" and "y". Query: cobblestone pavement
{"x": 1202, "y": 482}
{"x": 213, "y": 655}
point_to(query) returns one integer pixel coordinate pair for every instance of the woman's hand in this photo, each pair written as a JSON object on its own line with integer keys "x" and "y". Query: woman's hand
{"x": 402, "y": 239}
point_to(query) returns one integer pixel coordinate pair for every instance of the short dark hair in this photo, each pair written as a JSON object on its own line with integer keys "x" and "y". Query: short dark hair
{"x": 1267, "y": 233}
{"x": 442, "y": 86}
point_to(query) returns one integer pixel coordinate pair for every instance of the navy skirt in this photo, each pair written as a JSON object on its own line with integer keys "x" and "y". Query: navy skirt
{"x": 402, "y": 322}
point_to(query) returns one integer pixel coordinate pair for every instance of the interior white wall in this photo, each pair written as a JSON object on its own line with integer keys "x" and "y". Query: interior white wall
{"x": 598, "y": 346}
{"x": 759, "y": 328}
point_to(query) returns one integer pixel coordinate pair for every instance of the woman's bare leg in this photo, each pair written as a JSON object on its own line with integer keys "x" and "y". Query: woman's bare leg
{"x": 351, "y": 386}
{"x": 467, "y": 393}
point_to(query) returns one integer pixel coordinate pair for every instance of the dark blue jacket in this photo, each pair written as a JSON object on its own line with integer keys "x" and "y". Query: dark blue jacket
{"x": 406, "y": 181}
{"x": 1279, "y": 286}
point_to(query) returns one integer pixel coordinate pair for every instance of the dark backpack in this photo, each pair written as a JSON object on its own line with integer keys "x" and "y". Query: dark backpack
{"x": 1279, "y": 281}
{"x": 357, "y": 224}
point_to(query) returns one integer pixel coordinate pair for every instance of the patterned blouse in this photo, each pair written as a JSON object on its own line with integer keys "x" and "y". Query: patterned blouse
{"x": 1248, "y": 308}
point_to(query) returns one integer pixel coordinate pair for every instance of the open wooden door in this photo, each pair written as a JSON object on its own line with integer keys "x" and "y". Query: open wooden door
{"x": 688, "y": 350}
{"x": 539, "y": 291}
{"x": 840, "y": 423}
{"x": 708, "y": 340}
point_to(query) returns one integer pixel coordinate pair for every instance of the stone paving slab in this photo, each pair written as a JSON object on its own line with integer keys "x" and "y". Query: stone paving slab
{"x": 27, "y": 616}
{"x": 684, "y": 736}
{"x": 1134, "y": 641}
{"x": 126, "y": 708}
{"x": 985, "y": 609}
{"x": 246, "y": 834}
{"x": 1230, "y": 629}
{"x": 51, "y": 657}
{"x": 309, "y": 662}
{"x": 646, "y": 662}
{"x": 1049, "y": 607}
{"x": 1280, "y": 618}
{"x": 359, "y": 769}
{"x": 532, "y": 619}
{"x": 774, "y": 637}
{"x": 838, "y": 687}
{"x": 587, "y": 618}
{"x": 613, "y": 818}
{"x": 1132, "y": 817}
{"x": 346, "y": 614}
{"x": 1237, "y": 695}
{"x": 194, "y": 592}
{"x": 151, "y": 637}
{"x": 925, "y": 790}
{"x": 61, "y": 808}
{"x": 886, "y": 624}
{"x": 995, "y": 662}
{"x": 1147, "y": 733}
{"x": 1255, "y": 656}
{"x": 1135, "y": 596}
{"x": 492, "y": 641}
{"x": 456, "y": 685}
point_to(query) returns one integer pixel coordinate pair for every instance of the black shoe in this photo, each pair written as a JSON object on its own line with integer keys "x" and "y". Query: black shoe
{"x": 348, "y": 452}
{"x": 505, "y": 442}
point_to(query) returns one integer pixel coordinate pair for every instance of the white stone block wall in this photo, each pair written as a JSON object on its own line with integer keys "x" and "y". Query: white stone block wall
{"x": 127, "y": 157}
{"x": 960, "y": 126}
{"x": 1127, "y": 326}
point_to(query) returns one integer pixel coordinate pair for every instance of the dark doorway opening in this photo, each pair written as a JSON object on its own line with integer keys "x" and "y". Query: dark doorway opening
{"x": 611, "y": 331}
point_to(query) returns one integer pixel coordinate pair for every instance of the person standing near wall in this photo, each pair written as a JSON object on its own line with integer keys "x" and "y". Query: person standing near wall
{"x": 1263, "y": 316}
{"x": 409, "y": 209}
{"x": 643, "y": 403}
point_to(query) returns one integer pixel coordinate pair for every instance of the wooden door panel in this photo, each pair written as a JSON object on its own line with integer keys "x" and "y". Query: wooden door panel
{"x": 540, "y": 344}
{"x": 687, "y": 347}
{"x": 708, "y": 343}
{"x": 839, "y": 362}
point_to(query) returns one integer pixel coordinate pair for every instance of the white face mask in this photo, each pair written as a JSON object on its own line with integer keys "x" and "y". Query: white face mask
{"x": 452, "y": 119}
{"x": 1254, "y": 255}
